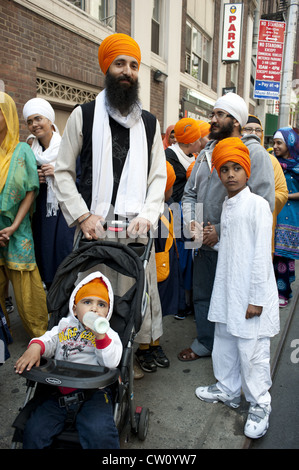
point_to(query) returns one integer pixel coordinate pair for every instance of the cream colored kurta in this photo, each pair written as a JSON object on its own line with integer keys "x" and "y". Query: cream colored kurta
{"x": 244, "y": 273}
{"x": 72, "y": 203}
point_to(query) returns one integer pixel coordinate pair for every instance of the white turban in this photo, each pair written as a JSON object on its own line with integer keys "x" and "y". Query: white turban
{"x": 234, "y": 105}
{"x": 39, "y": 106}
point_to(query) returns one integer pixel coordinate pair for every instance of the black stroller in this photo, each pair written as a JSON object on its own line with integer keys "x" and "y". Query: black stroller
{"x": 126, "y": 260}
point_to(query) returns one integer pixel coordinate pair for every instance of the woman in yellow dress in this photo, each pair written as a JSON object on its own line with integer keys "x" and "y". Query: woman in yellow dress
{"x": 19, "y": 186}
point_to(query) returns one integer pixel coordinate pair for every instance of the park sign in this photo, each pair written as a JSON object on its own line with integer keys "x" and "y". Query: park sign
{"x": 232, "y": 28}
{"x": 269, "y": 59}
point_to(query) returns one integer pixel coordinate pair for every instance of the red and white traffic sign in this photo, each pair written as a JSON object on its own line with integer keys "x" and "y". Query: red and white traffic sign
{"x": 269, "y": 59}
{"x": 271, "y": 31}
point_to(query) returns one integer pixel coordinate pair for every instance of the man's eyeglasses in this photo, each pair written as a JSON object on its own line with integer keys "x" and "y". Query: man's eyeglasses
{"x": 250, "y": 130}
{"x": 219, "y": 115}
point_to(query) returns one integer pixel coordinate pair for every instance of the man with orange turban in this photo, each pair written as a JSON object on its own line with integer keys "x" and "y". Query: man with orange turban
{"x": 244, "y": 304}
{"x": 181, "y": 154}
{"x": 123, "y": 171}
{"x": 229, "y": 116}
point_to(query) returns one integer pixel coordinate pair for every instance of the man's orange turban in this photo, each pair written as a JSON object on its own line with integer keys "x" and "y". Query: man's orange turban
{"x": 204, "y": 128}
{"x": 231, "y": 149}
{"x": 189, "y": 169}
{"x": 94, "y": 288}
{"x": 171, "y": 176}
{"x": 187, "y": 131}
{"x": 115, "y": 45}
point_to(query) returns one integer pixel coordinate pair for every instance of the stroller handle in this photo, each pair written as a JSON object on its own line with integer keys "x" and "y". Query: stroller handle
{"x": 119, "y": 226}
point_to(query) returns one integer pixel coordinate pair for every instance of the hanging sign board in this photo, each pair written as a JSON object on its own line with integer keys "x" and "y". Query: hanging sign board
{"x": 232, "y": 32}
{"x": 269, "y": 59}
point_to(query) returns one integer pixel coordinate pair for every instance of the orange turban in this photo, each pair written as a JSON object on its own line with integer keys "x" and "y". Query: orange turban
{"x": 231, "y": 149}
{"x": 115, "y": 45}
{"x": 187, "y": 131}
{"x": 204, "y": 128}
{"x": 94, "y": 288}
{"x": 189, "y": 169}
{"x": 171, "y": 176}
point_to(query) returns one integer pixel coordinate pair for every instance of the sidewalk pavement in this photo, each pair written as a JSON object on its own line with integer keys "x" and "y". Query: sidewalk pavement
{"x": 178, "y": 419}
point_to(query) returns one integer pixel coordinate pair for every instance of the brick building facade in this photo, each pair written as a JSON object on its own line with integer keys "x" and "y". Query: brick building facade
{"x": 49, "y": 48}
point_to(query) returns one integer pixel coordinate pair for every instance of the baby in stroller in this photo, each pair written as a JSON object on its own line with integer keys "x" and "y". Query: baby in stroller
{"x": 71, "y": 340}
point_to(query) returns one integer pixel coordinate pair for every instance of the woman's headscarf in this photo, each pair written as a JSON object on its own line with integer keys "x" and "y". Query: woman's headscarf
{"x": 231, "y": 149}
{"x": 11, "y": 140}
{"x": 291, "y": 140}
{"x": 167, "y": 135}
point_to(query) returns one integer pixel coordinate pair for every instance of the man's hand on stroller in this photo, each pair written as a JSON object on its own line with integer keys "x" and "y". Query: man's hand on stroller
{"x": 30, "y": 358}
{"x": 92, "y": 226}
{"x": 139, "y": 227}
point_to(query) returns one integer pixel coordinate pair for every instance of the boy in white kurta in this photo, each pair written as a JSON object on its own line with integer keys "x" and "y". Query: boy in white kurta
{"x": 244, "y": 304}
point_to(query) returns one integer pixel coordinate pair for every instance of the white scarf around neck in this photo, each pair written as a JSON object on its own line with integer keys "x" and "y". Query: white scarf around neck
{"x": 44, "y": 157}
{"x": 132, "y": 188}
{"x": 182, "y": 157}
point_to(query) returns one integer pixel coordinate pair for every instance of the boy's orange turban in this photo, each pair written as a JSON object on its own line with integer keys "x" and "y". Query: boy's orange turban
{"x": 187, "y": 131}
{"x": 171, "y": 176}
{"x": 115, "y": 45}
{"x": 94, "y": 288}
{"x": 231, "y": 149}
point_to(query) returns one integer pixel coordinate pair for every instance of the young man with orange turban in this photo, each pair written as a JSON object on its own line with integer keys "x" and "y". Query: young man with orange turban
{"x": 181, "y": 154}
{"x": 72, "y": 340}
{"x": 244, "y": 303}
{"x": 229, "y": 116}
{"x": 123, "y": 171}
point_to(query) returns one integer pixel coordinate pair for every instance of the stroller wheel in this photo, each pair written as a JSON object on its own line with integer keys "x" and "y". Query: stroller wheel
{"x": 143, "y": 422}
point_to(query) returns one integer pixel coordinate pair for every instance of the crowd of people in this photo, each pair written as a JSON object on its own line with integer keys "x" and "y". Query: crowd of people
{"x": 223, "y": 211}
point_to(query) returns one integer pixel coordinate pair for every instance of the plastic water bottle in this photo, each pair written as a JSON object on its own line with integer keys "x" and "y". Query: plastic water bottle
{"x": 94, "y": 322}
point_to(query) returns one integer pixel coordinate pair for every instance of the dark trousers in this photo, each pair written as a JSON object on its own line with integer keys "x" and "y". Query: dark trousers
{"x": 94, "y": 423}
{"x": 204, "y": 268}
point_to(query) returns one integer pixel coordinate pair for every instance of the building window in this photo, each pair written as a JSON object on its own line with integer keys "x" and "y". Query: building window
{"x": 197, "y": 54}
{"x": 156, "y": 22}
{"x": 78, "y": 3}
{"x": 106, "y": 11}
{"x": 103, "y": 10}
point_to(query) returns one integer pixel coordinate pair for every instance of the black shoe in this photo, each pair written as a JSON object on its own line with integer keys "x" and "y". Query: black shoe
{"x": 159, "y": 356}
{"x": 9, "y": 305}
{"x": 180, "y": 315}
{"x": 145, "y": 359}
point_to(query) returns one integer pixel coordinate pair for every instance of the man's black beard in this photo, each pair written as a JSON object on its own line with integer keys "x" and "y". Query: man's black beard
{"x": 121, "y": 96}
{"x": 222, "y": 133}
